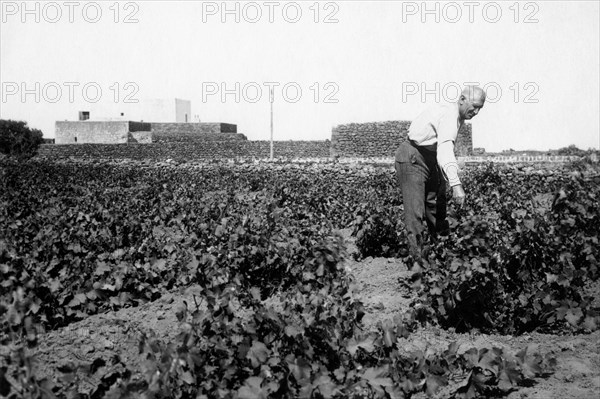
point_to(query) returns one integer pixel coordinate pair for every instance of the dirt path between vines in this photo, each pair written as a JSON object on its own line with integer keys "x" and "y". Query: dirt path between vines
{"x": 113, "y": 334}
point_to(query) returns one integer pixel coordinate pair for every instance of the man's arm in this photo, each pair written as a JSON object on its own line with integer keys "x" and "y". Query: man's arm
{"x": 447, "y": 162}
{"x": 449, "y": 166}
{"x": 447, "y": 132}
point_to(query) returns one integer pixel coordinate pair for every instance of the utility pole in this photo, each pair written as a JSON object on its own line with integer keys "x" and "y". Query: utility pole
{"x": 271, "y": 100}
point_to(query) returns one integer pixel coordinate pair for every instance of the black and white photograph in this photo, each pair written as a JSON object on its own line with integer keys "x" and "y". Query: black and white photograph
{"x": 300, "y": 199}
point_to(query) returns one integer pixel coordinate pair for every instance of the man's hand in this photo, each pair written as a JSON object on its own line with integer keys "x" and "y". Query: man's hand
{"x": 458, "y": 194}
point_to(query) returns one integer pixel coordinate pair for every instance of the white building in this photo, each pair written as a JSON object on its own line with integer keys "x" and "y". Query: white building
{"x": 149, "y": 110}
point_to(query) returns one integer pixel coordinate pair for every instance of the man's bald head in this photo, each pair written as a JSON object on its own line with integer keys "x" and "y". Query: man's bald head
{"x": 471, "y": 101}
{"x": 473, "y": 93}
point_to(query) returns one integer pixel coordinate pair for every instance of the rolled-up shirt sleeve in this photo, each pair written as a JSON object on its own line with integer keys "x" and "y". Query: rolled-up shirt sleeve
{"x": 447, "y": 132}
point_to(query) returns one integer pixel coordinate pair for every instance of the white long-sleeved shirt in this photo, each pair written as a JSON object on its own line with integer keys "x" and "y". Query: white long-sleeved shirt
{"x": 439, "y": 124}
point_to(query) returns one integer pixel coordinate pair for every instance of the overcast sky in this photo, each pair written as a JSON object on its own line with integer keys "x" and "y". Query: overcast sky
{"x": 339, "y": 62}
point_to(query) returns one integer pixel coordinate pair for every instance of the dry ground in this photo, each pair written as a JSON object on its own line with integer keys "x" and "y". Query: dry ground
{"x": 106, "y": 335}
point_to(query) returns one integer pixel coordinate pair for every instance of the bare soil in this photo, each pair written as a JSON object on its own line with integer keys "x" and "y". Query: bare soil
{"x": 108, "y": 335}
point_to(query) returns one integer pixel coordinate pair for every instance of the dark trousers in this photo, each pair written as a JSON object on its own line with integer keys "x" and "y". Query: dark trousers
{"x": 424, "y": 194}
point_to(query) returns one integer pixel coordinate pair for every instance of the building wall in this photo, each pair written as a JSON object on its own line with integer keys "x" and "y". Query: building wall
{"x": 91, "y": 132}
{"x": 110, "y": 111}
{"x": 155, "y": 110}
{"x": 96, "y": 132}
{"x": 114, "y": 132}
{"x": 183, "y": 111}
{"x": 381, "y": 139}
{"x": 147, "y": 110}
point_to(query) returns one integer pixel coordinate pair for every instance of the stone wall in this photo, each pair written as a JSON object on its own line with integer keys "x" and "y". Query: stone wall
{"x": 139, "y": 126}
{"x": 381, "y": 139}
{"x": 250, "y": 150}
{"x": 194, "y": 132}
{"x": 231, "y": 149}
{"x": 96, "y": 132}
{"x": 220, "y": 140}
{"x": 201, "y": 127}
{"x": 191, "y": 137}
{"x": 476, "y": 160}
{"x": 521, "y": 159}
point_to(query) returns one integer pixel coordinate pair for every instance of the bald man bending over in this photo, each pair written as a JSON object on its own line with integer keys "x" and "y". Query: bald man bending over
{"x": 425, "y": 163}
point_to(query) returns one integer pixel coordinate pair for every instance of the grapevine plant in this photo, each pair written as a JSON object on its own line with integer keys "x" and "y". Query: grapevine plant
{"x": 277, "y": 315}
